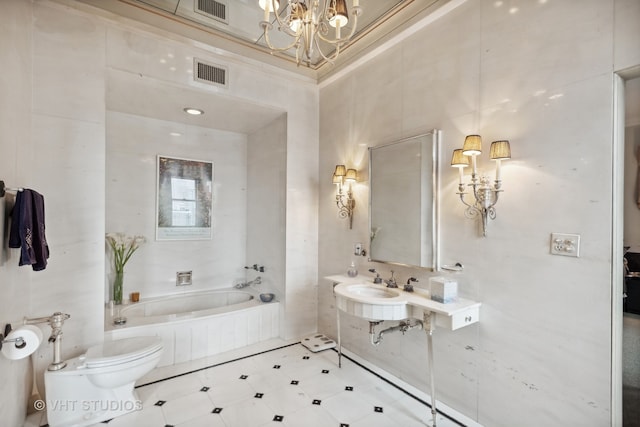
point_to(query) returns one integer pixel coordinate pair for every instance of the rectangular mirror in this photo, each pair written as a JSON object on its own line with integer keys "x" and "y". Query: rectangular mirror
{"x": 403, "y": 201}
{"x": 184, "y": 201}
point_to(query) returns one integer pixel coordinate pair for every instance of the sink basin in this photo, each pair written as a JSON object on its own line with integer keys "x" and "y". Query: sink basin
{"x": 366, "y": 291}
{"x": 372, "y": 302}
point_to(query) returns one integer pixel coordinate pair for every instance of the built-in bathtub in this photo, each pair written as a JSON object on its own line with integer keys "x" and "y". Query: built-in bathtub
{"x": 197, "y": 324}
{"x": 186, "y": 306}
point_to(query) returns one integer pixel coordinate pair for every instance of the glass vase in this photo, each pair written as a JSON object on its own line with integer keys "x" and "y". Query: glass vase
{"x": 117, "y": 287}
{"x": 352, "y": 271}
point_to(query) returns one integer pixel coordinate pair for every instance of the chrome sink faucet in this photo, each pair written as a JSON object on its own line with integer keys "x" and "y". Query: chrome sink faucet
{"x": 376, "y": 280}
{"x": 255, "y": 281}
{"x": 391, "y": 282}
{"x": 409, "y": 287}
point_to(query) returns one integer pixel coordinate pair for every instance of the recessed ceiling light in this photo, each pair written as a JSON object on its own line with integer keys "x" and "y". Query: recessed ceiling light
{"x": 193, "y": 111}
{"x": 175, "y": 134}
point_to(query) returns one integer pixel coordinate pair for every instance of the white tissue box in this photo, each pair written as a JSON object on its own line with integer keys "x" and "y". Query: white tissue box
{"x": 443, "y": 290}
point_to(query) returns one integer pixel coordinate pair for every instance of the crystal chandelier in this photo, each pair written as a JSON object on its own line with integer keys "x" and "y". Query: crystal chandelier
{"x": 307, "y": 23}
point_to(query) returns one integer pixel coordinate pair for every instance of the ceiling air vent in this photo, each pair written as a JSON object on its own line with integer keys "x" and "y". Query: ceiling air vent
{"x": 216, "y": 9}
{"x": 210, "y": 73}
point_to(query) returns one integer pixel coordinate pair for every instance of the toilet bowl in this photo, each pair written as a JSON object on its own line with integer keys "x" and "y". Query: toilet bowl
{"x": 98, "y": 385}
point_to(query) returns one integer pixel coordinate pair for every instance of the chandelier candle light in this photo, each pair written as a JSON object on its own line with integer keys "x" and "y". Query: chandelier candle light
{"x": 307, "y": 23}
{"x": 485, "y": 195}
{"x": 123, "y": 247}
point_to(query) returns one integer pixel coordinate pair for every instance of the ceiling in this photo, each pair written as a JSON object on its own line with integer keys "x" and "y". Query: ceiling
{"x": 380, "y": 20}
{"x": 240, "y": 19}
{"x": 132, "y": 94}
{"x": 241, "y": 32}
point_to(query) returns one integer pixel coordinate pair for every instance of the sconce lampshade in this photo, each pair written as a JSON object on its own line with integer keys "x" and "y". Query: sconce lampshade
{"x": 336, "y": 179}
{"x": 263, "y": 4}
{"x": 459, "y": 160}
{"x": 500, "y": 150}
{"x": 472, "y": 145}
{"x": 352, "y": 175}
{"x": 341, "y": 170}
{"x": 338, "y": 10}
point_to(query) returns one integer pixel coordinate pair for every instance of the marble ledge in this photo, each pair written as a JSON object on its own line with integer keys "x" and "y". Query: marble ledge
{"x": 454, "y": 315}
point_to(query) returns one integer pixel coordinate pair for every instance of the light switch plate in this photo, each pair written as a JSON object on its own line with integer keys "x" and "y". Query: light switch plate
{"x": 565, "y": 244}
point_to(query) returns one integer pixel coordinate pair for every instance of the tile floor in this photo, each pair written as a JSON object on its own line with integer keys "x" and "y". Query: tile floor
{"x": 285, "y": 386}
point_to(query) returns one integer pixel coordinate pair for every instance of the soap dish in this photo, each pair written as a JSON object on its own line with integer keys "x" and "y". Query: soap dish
{"x": 266, "y": 297}
{"x": 120, "y": 320}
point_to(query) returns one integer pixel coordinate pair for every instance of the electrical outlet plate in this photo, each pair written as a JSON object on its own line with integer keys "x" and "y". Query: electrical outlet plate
{"x": 565, "y": 244}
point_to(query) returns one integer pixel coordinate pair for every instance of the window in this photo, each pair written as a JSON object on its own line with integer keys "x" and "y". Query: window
{"x": 184, "y": 199}
{"x": 183, "y": 202}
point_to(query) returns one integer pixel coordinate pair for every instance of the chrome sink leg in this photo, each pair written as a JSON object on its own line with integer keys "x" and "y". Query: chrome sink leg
{"x": 339, "y": 339}
{"x": 338, "y": 325}
{"x": 429, "y": 325}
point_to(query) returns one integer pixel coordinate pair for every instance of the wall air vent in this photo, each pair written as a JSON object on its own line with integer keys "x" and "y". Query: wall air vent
{"x": 209, "y": 73}
{"x": 216, "y": 9}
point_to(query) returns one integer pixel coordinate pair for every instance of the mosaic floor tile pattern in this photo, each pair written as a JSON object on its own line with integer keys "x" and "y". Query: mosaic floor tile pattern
{"x": 286, "y": 387}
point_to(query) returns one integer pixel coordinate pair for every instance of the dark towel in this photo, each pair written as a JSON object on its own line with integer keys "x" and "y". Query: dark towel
{"x": 27, "y": 229}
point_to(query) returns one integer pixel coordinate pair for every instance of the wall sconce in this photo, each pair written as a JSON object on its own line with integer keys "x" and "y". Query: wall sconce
{"x": 344, "y": 197}
{"x": 485, "y": 195}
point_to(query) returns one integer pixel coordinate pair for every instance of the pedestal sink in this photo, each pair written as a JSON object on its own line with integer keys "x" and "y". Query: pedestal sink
{"x": 376, "y": 302}
{"x": 372, "y": 302}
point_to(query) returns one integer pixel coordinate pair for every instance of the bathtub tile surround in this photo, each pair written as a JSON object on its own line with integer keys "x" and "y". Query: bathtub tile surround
{"x": 153, "y": 272}
{"x": 192, "y": 334}
{"x": 287, "y": 385}
{"x": 256, "y": 175}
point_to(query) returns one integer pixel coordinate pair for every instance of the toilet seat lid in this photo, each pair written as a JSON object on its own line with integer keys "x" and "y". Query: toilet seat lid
{"x": 121, "y": 351}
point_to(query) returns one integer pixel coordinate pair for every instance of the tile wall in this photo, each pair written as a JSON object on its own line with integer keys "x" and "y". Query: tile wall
{"x": 53, "y": 118}
{"x": 198, "y": 338}
{"x": 540, "y": 75}
{"x": 133, "y": 143}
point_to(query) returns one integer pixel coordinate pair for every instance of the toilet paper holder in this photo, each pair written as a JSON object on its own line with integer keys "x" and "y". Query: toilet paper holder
{"x": 56, "y": 321}
{"x": 19, "y": 341}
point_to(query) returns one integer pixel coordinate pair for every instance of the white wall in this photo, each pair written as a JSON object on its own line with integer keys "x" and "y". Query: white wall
{"x": 53, "y": 141}
{"x": 53, "y": 111}
{"x": 15, "y": 126}
{"x": 266, "y": 201}
{"x": 540, "y": 76}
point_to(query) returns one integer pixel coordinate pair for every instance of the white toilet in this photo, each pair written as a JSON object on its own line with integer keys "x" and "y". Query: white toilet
{"x": 98, "y": 385}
